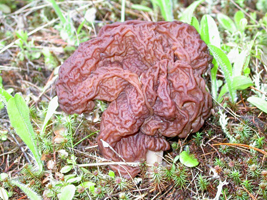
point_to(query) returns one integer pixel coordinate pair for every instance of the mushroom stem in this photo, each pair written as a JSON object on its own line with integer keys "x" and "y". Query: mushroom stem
{"x": 154, "y": 156}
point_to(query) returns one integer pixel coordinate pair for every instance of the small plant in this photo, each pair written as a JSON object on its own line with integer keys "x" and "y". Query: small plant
{"x": 180, "y": 176}
{"x": 203, "y": 183}
{"x": 198, "y": 137}
{"x": 224, "y": 149}
{"x": 28, "y": 49}
{"x": 219, "y": 162}
{"x": 247, "y": 184}
{"x": 235, "y": 175}
{"x": 121, "y": 183}
{"x": 243, "y": 132}
{"x": 254, "y": 171}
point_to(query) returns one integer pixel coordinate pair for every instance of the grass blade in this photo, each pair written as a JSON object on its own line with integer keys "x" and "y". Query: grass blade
{"x": 226, "y": 67}
{"x": 58, "y": 11}
{"x": 53, "y": 104}
{"x": 32, "y": 195}
{"x": 188, "y": 12}
{"x": 122, "y": 10}
{"x": 67, "y": 193}
{"x": 166, "y": 9}
{"x": 18, "y": 113}
{"x": 214, "y": 85}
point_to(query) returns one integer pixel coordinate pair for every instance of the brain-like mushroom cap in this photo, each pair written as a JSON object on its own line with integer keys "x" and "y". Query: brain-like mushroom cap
{"x": 151, "y": 74}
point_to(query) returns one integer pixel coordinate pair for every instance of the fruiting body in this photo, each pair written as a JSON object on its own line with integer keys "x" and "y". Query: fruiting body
{"x": 151, "y": 73}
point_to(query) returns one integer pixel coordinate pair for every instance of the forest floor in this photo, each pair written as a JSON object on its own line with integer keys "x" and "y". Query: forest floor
{"x": 37, "y": 36}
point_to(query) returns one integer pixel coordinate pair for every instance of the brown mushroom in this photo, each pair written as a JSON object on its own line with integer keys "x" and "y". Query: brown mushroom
{"x": 150, "y": 72}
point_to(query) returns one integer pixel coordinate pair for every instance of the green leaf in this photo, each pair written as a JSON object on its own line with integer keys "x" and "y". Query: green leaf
{"x": 226, "y": 22}
{"x": 258, "y": 102}
{"x": 166, "y": 9}
{"x": 18, "y": 113}
{"x": 204, "y": 29}
{"x": 4, "y": 96}
{"x": 74, "y": 180}
{"x": 141, "y": 7}
{"x": 3, "y": 194}
{"x": 66, "y": 169}
{"x": 195, "y": 23}
{"x": 53, "y": 105}
{"x": 226, "y": 67}
{"x": 209, "y": 31}
{"x": 111, "y": 174}
{"x": 67, "y": 192}
{"x": 239, "y": 15}
{"x": 188, "y": 12}
{"x": 242, "y": 82}
{"x": 32, "y": 195}
{"x": 213, "y": 74}
{"x": 5, "y": 9}
{"x": 239, "y": 63}
{"x": 188, "y": 160}
{"x": 214, "y": 35}
{"x": 58, "y": 11}
{"x": 239, "y": 83}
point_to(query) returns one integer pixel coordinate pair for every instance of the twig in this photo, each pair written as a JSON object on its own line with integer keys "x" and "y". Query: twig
{"x": 249, "y": 193}
{"x": 243, "y": 145}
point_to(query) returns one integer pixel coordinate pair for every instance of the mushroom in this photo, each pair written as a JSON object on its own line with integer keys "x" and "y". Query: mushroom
{"x": 151, "y": 73}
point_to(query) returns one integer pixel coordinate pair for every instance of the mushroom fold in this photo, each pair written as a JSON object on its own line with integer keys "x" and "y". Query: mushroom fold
{"x": 151, "y": 73}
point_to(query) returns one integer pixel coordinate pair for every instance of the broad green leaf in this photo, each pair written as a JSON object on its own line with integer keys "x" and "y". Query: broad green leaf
{"x": 3, "y": 194}
{"x": 209, "y": 31}
{"x": 259, "y": 103}
{"x": 66, "y": 169}
{"x": 53, "y": 104}
{"x": 226, "y": 22}
{"x": 226, "y": 67}
{"x": 74, "y": 180}
{"x": 204, "y": 29}
{"x": 141, "y": 7}
{"x": 240, "y": 20}
{"x": 239, "y": 83}
{"x": 166, "y": 9}
{"x": 18, "y": 113}
{"x": 188, "y": 160}
{"x": 188, "y": 12}
{"x": 32, "y": 195}
{"x": 214, "y": 35}
{"x": 5, "y": 9}
{"x": 238, "y": 16}
{"x": 233, "y": 55}
{"x": 195, "y": 23}
{"x": 67, "y": 192}
{"x": 239, "y": 63}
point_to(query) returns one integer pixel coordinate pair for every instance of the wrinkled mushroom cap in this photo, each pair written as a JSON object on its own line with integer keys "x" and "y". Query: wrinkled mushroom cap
{"x": 151, "y": 73}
